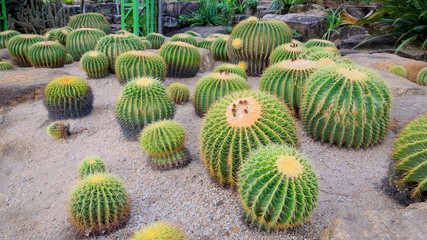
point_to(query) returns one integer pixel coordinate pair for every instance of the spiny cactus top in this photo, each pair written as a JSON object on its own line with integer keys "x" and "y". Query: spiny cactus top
{"x": 19, "y": 45}
{"x": 47, "y": 55}
{"x": 182, "y": 59}
{"x": 58, "y": 130}
{"x": 124, "y": 32}
{"x": 398, "y": 70}
{"x": 5, "y": 36}
{"x": 206, "y": 43}
{"x": 193, "y": 33}
{"x": 83, "y": 40}
{"x": 182, "y": 37}
{"x": 99, "y": 203}
{"x": 91, "y": 165}
{"x": 231, "y": 68}
{"x": 159, "y": 231}
{"x": 422, "y": 77}
{"x": 6, "y": 66}
{"x": 179, "y": 92}
{"x": 156, "y": 40}
{"x": 219, "y": 49}
{"x": 216, "y": 35}
{"x": 286, "y": 51}
{"x": 95, "y": 64}
{"x": 278, "y": 188}
{"x": 346, "y": 105}
{"x": 319, "y": 43}
{"x": 238, "y": 124}
{"x": 90, "y": 20}
{"x": 59, "y": 35}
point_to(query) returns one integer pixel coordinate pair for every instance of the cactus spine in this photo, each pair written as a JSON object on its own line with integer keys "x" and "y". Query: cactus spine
{"x": 69, "y": 59}
{"x": 182, "y": 37}
{"x": 182, "y": 59}
{"x": 206, "y": 43}
{"x": 159, "y": 231}
{"x": 285, "y": 52}
{"x": 19, "y": 45}
{"x": 83, "y": 40}
{"x": 422, "y": 77}
{"x": 156, "y": 40}
{"x": 147, "y": 44}
{"x": 179, "y": 93}
{"x": 91, "y": 165}
{"x": 219, "y": 49}
{"x": 398, "y": 71}
{"x": 95, "y": 64}
{"x": 47, "y": 55}
{"x": 319, "y": 43}
{"x": 90, "y": 20}
{"x": 6, "y": 36}
{"x": 58, "y": 130}
{"x": 6, "y": 66}
{"x": 231, "y": 68}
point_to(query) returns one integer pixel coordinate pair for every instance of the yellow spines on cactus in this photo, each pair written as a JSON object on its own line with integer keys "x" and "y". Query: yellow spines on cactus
{"x": 286, "y": 51}
{"x": 179, "y": 92}
{"x": 182, "y": 37}
{"x": 193, "y": 33}
{"x": 59, "y": 35}
{"x": 58, "y": 130}
{"x": 47, "y": 55}
{"x": 91, "y": 165}
{"x": 219, "y": 49}
{"x": 159, "y": 231}
{"x": 398, "y": 70}
{"x": 5, "y": 36}
{"x": 19, "y": 45}
{"x": 422, "y": 77}
{"x": 156, "y": 40}
{"x": 95, "y": 64}
{"x": 182, "y": 59}
{"x": 90, "y": 20}
{"x": 83, "y": 40}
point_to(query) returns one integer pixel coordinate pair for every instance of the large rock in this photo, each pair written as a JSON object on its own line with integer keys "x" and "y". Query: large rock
{"x": 373, "y": 43}
{"x": 347, "y": 31}
{"x": 308, "y": 9}
{"x": 175, "y": 9}
{"x": 171, "y": 22}
{"x": 207, "y": 63}
{"x": 398, "y": 224}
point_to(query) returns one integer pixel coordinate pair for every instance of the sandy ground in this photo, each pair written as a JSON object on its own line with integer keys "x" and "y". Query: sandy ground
{"x": 37, "y": 174}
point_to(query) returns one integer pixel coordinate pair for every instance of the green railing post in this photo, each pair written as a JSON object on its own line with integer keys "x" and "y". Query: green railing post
{"x": 134, "y": 9}
{"x": 3, "y": 18}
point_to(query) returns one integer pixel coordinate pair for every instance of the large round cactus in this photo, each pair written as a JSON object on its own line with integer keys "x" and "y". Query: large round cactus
{"x": 231, "y": 68}
{"x": 58, "y": 130}
{"x": 238, "y": 124}
{"x": 138, "y": 64}
{"x": 156, "y": 40}
{"x": 90, "y": 20}
{"x": 179, "y": 92}
{"x": 193, "y": 33}
{"x": 182, "y": 37}
{"x": 286, "y": 80}
{"x": 398, "y": 70}
{"x": 319, "y": 43}
{"x": 59, "y": 35}
{"x": 164, "y": 141}
{"x": 253, "y": 40}
{"x": 219, "y": 49}
{"x": 285, "y": 52}
{"x": 159, "y": 231}
{"x": 6, "y": 66}
{"x": 142, "y": 101}
{"x": 47, "y": 55}
{"x": 91, "y": 165}
{"x": 83, "y": 40}
{"x": 95, "y": 64}
{"x": 346, "y": 105}
{"x": 214, "y": 86}
{"x": 206, "y": 43}
{"x": 68, "y": 97}
{"x": 287, "y": 183}
{"x": 99, "y": 203}
{"x": 6, "y": 36}
{"x": 422, "y": 77}
{"x": 115, "y": 44}
{"x": 19, "y": 45}
{"x": 182, "y": 59}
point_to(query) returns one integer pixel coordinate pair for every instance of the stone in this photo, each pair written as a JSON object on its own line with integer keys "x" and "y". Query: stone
{"x": 374, "y": 43}
{"x": 117, "y": 19}
{"x": 207, "y": 63}
{"x": 176, "y": 9}
{"x": 115, "y": 27}
{"x": 347, "y": 31}
{"x": 5, "y": 54}
{"x": 170, "y": 22}
{"x": 308, "y": 9}
{"x": 398, "y": 224}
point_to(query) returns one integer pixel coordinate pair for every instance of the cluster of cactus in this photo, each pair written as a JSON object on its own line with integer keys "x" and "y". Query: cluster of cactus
{"x": 19, "y": 45}
{"x": 231, "y": 68}
{"x": 287, "y": 182}
{"x": 68, "y": 97}
{"x": 422, "y": 77}
{"x": 6, "y": 66}
{"x": 156, "y": 40}
{"x": 193, "y": 33}
{"x": 346, "y": 105}
{"x": 142, "y": 101}
{"x": 239, "y": 123}
{"x": 90, "y": 20}
{"x": 134, "y": 64}
{"x": 219, "y": 49}
{"x": 206, "y": 43}
{"x": 115, "y": 44}
{"x": 214, "y": 86}
{"x": 69, "y": 59}
{"x": 164, "y": 141}
{"x": 398, "y": 70}
{"x": 99, "y": 203}
{"x": 253, "y": 41}
{"x": 182, "y": 59}
{"x": 182, "y": 37}
{"x": 91, "y": 165}
{"x": 95, "y": 64}
{"x": 58, "y": 130}
{"x": 83, "y": 40}
{"x": 159, "y": 231}
{"x": 59, "y": 35}
{"x": 179, "y": 93}
{"x": 6, "y": 36}
{"x": 47, "y": 55}
{"x": 285, "y": 52}
{"x": 319, "y": 43}
{"x": 147, "y": 44}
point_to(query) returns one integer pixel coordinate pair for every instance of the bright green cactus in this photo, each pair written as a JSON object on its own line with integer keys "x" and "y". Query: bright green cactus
{"x": 193, "y": 33}
{"x": 47, "y": 55}
{"x": 95, "y": 64}
{"x": 346, "y": 105}
{"x": 147, "y": 44}
{"x": 156, "y": 40}
{"x": 278, "y": 188}
{"x": 285, "y": 52}
{"x": 310, "y": 52}
{"x": 164, "y": 141}
{"x": 143, "y": 101}
{"x": 6, "y": 36}
{"x": 134, "y": 64}
{"x": 206, "y": 43}
{"x": 182, "y": 59}
{"x": 99, "y": 203}
{"x": 59, "y": 35}
{"x": 182, "y": 37}
{"x": 286, "y": 81}
{"x": 58, "y": 130}
{"x": 91, "y": 165}
{"x": 179, "y": 92}
{"x": 219, "y": 49}
{"x": 252, "y": 41}
{"x": 115, "y": 44}
{"x": 83, "y": 40}
{"x": 409, "y": 173}
{"x": 231, "y": 68}
{"x": 159, "y": 231}
{"x": 422, "y": 77}
{"x": 90, "y": 20}
{"x": 69, "y": 59}
{"x": 319, "y": 43}
{"x": 19, "y": 45}
{"x": 238, "y": 124}
{"x": 214, "y": 86}
{"x": 6, "y": 66}
{"x": 398, "y": 71}
{"x": 68, "y": 97}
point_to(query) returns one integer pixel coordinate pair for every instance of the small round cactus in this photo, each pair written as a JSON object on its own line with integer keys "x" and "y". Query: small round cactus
{"x": 159, "y": 231}
{"x": 58, "y": 130}
{"x": 19, "y": 45}
{"x": 6, "y": 66}
{"x": 91, "y": 165}
{"x": 134, "y": 64}
{"x": 206, "y": 43}
{"x": 219, "y": 49}
{"x": 47, "y": 55}
{"x": 68, "y": 97}
{"x": 287, "y": 182}
{"x": 193, "y": 33}
{"x": 422, "y": 77}
{"x": 69, "y": 59}
{"x": 319, "y": 43}
{"x": 59, "y": 35}
{"x": 142, "y": 101}
{"x": 99, "y": 203}
{"x": 216, "y": 35}
{"x": 83, "y": 40}
{"x": 95, "y": 64}
{"x": 6, "y": 36}
{"x": 179, "y": 93}
{"x": 164, "y": 141}
{"x": 182, "y": 59}
{"x": 398, "y": 71}
{"x": 214, "y": 86}
{"x": 182, "y": 37}
{"x": 147, "y": 44}
{"x": 156, "y": 40}
{"x": 231, "y": 68}
{"x": 90, "y": 20}
{"x": 285, "y": 52}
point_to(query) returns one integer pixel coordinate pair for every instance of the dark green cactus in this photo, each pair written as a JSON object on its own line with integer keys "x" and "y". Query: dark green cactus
{"x": 134, "y": 64}
{"x": 319, "y": 43}
{"x": 69, "y": 59}
{"x": 346, "y": 105}
{"x": 278, "y": 188}
{"x": 156, "y": 40}
{"x": 214, "y": 86}
{"x": 59, "y": 35}
{"x": 238, "y": 124}
{"x": 398, "y": 70}
{"x": 143, "y": 101}
{"x": 231, "y": 68}
{"x": 90, "y": 20}
{"x": 47, "y": 55}
{"x": 6, "y": 66}
{"x": 182, "y": 59}
{"x": 219, "y": 49}
{"x": 206, "y": 43}
{"x": 164, "y": 141}
{"x": 83, "y": 40}
{"x": 179, "y": 93}
{"x": 193, "y": 33}
{"x": 68, "y": 97}
{"x": 6, "y": 36}
{"x": 58, "y": 130}
{"x": 147, "y": 44}
{"x": 182, "y": 37}
{"x": 99, "y": 203}
{"x": 19, "y": 45}
{"x": 285, "y": 52}
{"x": 159, "y": 231}
{"x": 95, "y": 64}
{"x": 91, "y": 165}
{"x": 422, "y": 77}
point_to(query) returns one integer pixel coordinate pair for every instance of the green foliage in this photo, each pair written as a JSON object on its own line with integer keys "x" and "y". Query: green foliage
{"x": 6, "y": 66}
{"x": 193, "y": 33}
{"x": 422, "y": 77}
{"x": 205, "y": 43}
{"x": 83, "y": 40}
{"x": 182, "y": 37}
{"x": 91, "y": 165}
{"x": 159, "y": 231}
{"x": 398, "y": 70}
{"x": 95, "y": 64}
{"x": 68, "y": 97}
{"x": 156, "y": 40}
{"x": 6, "y": 36}
{"x": 99, "y": 203}
{"x": 179, "y": 92}
{"x": 319, "y": 43}
{"x": 58, "y": 130}
{"x": 239, "y": 123}
{"x": 219, "y": 49}
{"x": 143, "y": 101}
{"x": 47, "y": 55}
{"x": 90, "y": 20}
{"x": 231, "y": 68}
{"x": 69, "y": 59}
{"x": 19, "y": 45}
{"x": 182, "y": 59}
{"x": 333, "y": 21}
{"x": 68, "y": 2}
{"x": 346, "y": 105}
{"x": 206, "y": 16}
{"x": 59, "y": 35}
{"x": 286, "y": 51}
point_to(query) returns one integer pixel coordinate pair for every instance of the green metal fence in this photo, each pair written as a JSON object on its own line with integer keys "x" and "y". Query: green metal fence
{"x": 141, "y": 16}
{"x": 3, "y": 16}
